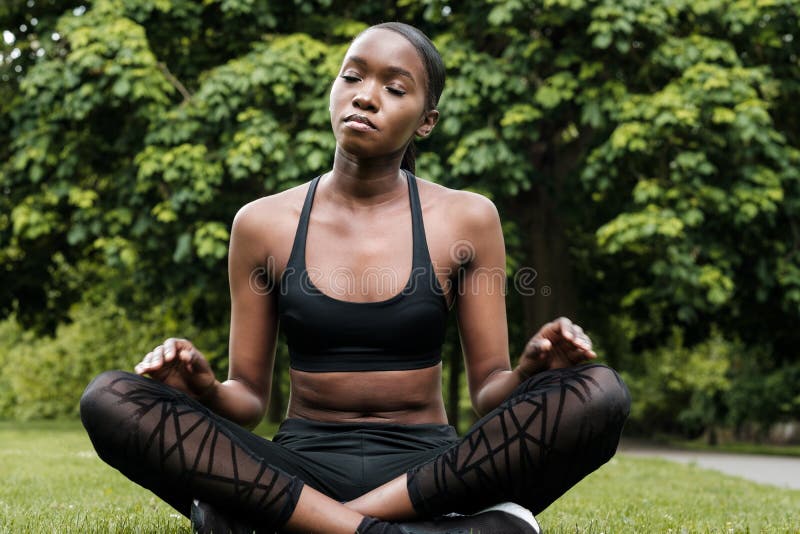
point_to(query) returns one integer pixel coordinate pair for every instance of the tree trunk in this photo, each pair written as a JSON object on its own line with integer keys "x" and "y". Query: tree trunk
{"x": 550, "y": 290}
{"x": 277, "y": 403}
{"x": 454, "y": 388}
{"x": 712, "y": 436}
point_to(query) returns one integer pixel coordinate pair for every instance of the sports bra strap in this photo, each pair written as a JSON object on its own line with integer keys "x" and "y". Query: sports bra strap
{"x": 421, "y": 256}
{"x": 297, "y": 258}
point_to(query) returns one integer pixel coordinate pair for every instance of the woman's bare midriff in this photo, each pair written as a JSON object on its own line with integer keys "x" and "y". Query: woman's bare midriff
{"x": 403, "y": 397}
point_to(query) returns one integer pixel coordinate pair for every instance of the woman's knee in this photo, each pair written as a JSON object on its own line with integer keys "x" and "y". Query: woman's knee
{"x": 597, "y": 387}
{"x": 96, "y": 404}
{"x": 608, "y": 408}
{"x": 592, "y": 394}
{"x": 610, "y": 395}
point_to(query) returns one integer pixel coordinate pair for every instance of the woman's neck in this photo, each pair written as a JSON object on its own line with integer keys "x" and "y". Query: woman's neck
{"x": 357, "y": 182}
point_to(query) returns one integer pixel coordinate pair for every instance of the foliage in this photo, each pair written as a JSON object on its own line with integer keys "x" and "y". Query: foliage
{"x": 44, "y": 377}
{"x": 709, "y": 175}
{"x": 762, "y": 396}
{"x": 680, "y": 387}
{"x": 718, "y": 382}
{"x": 643, "y": 155}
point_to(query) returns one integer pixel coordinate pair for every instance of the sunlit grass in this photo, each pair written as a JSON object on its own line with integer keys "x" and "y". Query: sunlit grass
{"x": 652, "y": 495}
{"x": 53, "y": 482}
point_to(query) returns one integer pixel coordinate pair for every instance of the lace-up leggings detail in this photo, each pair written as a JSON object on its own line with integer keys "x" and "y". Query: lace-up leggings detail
{"x": 174, "y": 446}
{"x": 554, "y": 429}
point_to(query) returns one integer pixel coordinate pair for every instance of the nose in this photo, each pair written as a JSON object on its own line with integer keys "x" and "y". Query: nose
{"x": 365, "y": 97}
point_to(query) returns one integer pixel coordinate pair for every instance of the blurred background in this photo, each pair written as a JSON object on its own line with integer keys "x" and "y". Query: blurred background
{"x": 643, "y": 156}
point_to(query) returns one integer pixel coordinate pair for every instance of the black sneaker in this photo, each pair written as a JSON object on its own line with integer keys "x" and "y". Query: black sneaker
{"x": 505, "y": 518}
{"x": 207, "y": 520}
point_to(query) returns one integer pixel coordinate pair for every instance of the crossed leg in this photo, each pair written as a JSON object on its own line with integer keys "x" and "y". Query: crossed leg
{"x": 180, "y": 450}
{"x": 552, "y": 431}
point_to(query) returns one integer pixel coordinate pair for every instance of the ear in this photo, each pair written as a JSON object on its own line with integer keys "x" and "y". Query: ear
{"x": 429, "y": 120}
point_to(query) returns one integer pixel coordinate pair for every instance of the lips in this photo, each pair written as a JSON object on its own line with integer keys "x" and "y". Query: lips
{"x": 356, "y": 119}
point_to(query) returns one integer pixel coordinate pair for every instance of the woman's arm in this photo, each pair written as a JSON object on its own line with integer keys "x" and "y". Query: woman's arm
{"x": 481, "y": 304}
{"x": 482, "y": 317}
{"x": 244, "y": 396}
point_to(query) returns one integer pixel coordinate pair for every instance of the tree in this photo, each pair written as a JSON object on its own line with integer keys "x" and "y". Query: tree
{"x": 642, "y": 153}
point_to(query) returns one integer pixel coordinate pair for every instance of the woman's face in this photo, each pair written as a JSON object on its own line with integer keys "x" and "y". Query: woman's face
{"x": 377, "y": 101}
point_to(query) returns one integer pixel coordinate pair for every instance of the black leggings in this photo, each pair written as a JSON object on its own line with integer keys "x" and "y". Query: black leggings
{"x": 554, "y": 429}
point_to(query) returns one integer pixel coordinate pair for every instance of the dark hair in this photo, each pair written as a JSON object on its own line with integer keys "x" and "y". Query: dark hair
{"x": 434, "y": 70}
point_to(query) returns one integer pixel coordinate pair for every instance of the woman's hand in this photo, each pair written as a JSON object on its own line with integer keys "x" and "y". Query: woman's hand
{"x": 560, "y": 343}
{"x": 178, "y": 364}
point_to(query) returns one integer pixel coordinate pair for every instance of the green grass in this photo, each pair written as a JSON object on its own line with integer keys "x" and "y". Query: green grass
{"x": 53, "y": 482}
{"x": 652, "y": 495}
{"x": 739, "y": 448}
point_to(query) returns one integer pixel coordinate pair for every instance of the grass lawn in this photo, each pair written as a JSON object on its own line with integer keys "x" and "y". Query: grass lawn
{"x": 741, "y": 448}
{"x": 52, "y": 481}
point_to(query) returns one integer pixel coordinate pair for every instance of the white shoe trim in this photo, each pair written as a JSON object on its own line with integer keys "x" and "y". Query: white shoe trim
{"x": 518, "y": 511}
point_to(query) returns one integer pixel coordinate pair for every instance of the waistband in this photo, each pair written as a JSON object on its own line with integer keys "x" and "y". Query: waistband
{"x": 299, "y": 426}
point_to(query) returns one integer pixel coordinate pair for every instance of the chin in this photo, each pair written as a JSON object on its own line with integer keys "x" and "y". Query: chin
{"x": 356, "y": 149}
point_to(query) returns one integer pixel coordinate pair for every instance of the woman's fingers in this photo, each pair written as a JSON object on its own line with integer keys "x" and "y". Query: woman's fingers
{"x": 585, "y": 345}
{"x": 575, "y": 335}
{"x": 564, "y": 327}
{"x": 537, "y": 346}
{"x": 574, "y": 342}
{"x": 188, "y": 356}
{"x": 169, "y": 349}
{"x": 166, "y": 353}
{"x": 559, "y": 343}
{"x": 147, "y": 362}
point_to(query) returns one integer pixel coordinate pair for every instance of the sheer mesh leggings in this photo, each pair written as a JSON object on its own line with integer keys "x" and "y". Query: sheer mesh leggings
{"x": 554, "y": 429}
{"x": 174, "y": 446}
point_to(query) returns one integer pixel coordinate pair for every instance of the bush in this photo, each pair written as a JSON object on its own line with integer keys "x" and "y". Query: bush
{"x": 681, "y": 388}
{"x": 43, "y": 377}
{"x": 714, "y": 384}
{"x": 761, "y": 397}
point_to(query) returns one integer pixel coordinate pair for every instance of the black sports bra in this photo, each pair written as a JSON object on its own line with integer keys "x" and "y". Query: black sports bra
{"x": 323, "y": 333}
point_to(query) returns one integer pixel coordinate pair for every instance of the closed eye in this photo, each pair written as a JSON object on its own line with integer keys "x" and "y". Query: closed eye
{"x": 395, "y": 91}
{"x": 350, "y": 79}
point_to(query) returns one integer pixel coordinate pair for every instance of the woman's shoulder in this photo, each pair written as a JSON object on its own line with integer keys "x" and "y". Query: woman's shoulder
{"x": 272, "y": 212}
{"x": 468, "y": 209}
{"x": 269, "y": 219}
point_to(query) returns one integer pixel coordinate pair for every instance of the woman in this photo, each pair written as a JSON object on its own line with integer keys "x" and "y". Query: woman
{"x": 366, "y": 442}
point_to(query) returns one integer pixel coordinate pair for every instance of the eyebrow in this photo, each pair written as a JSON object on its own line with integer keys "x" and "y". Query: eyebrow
{"x": 392, "y": 69}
